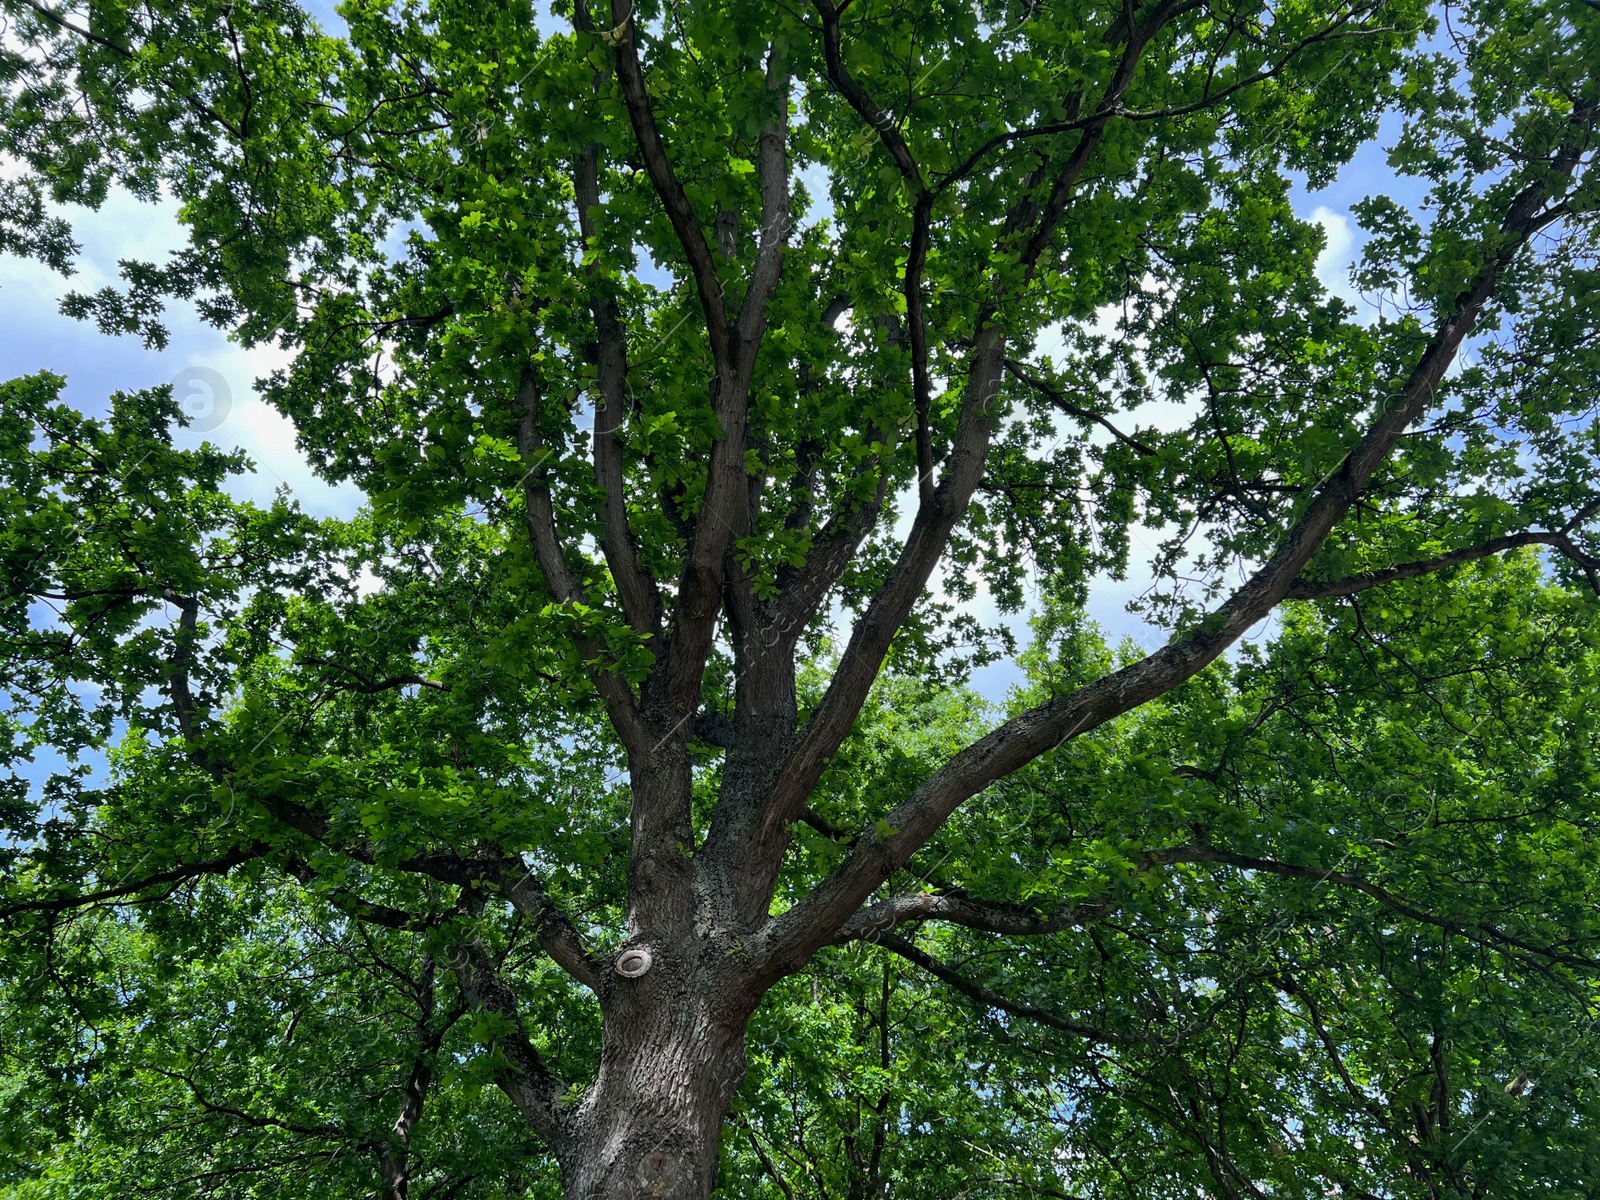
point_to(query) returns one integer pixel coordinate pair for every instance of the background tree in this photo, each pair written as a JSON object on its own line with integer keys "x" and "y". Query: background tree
{"x": 794, "y": 268}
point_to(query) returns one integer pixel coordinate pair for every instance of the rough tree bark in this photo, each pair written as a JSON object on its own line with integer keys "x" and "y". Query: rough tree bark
{"x": 672, "y": 1059}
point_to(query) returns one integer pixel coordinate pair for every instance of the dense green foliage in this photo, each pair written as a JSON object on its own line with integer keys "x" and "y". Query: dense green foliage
{"x": 1222, "y": 1024}
{"x": 695, "y": 395}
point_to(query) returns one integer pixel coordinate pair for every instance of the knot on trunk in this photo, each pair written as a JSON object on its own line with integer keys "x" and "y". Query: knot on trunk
{"x": 634, "y": 962}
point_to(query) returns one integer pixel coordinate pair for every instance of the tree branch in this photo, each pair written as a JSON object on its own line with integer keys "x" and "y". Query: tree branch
{"x": 352, "y": 905}
{"x": 557, "y": 935}
{"x": 869, "y": 924}
{"x": 1138, "y": 37}
{"x": 767, "y": 1164}
{"x": 196, "y": 105}
{"x": 394, "y": 1159}
{"x": 937, "y": 516}
{"x": 676, "y": 685}
{"x": 773, "y": 169}
{"x": 367, "y": 686}
{"x": 178, "y": 681}
{"x": 1470, "y": 928}
{"x": 641, "y": 600}
{"x": 858, "y": 98}
{"x": 833, "y": 549}
{"x": 508, "y": 873}
{"x": 1334, "y": 32}
{"x": 329, "y": 1130}
{"x": 789, "y": 939}
{"x": 921, "y": 219}
{"x": 691, "y": 237}
{"x": 536, "y": 1090}
{"x": 1317, "y": 589}
{"x": 991, "y": 999}
{"x": 762, "y": 852}
{"x": 564, "y": 586}
{"x": 1026, "y": 374}
{"x": 216, "y": 866}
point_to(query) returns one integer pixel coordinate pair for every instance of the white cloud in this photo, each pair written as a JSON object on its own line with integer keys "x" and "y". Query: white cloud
{"x": 1333, "y": 264}
{"x": 95, "y": 365}
{"x": 264, "y": 434}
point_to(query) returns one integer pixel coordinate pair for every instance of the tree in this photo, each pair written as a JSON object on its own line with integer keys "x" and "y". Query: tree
{"x": 796, "y": 269}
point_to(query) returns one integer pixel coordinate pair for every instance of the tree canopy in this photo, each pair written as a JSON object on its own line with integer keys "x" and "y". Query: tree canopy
{"x": 605, "y": 811}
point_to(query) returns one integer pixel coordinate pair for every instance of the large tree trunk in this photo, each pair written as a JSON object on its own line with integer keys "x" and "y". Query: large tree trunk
{"x": 672, "y": 1058}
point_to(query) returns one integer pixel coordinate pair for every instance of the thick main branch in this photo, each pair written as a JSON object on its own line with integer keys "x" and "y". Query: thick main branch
{"x": 792, "y": 937}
